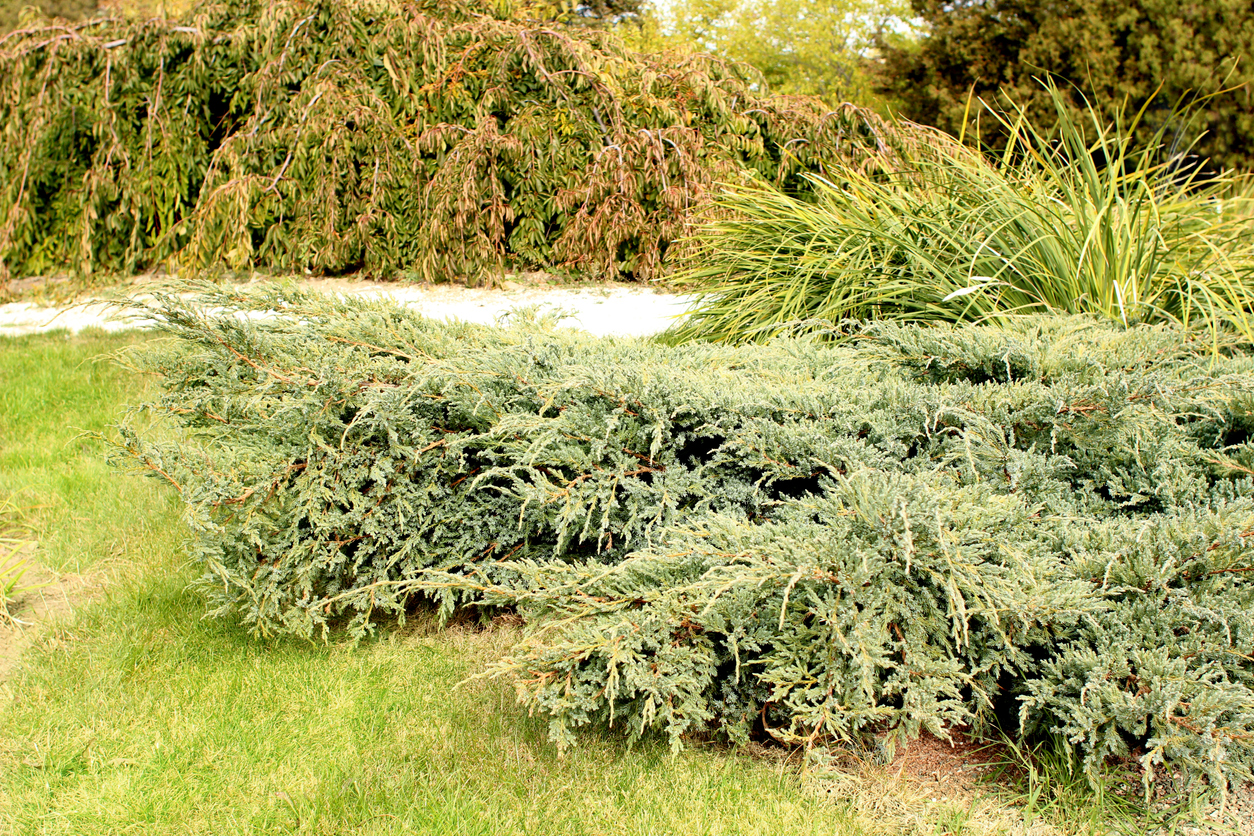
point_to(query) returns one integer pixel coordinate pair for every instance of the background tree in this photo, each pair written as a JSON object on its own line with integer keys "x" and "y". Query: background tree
{"x": 808, "y": 47}
{"x": 1110, "y": 50}
{"x": 11, "y": 10}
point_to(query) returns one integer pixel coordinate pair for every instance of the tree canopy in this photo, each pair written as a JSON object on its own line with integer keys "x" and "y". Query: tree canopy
{"x": 806, "y": 47}
{"x": 1138, "y": 52}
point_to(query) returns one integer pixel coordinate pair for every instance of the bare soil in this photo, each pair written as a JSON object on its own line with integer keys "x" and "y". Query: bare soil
{"x": 930, "y": 786}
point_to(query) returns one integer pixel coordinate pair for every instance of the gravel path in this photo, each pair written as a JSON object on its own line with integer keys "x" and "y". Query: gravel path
{"x": 619, "y": 310}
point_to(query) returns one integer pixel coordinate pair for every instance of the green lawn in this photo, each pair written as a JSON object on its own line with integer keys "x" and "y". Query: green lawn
{"x": 130, "y": 712}
{"x": 124, "y": 710}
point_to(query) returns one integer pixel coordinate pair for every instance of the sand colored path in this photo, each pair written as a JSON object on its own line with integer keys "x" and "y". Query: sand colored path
{"x": 603, "y": 309}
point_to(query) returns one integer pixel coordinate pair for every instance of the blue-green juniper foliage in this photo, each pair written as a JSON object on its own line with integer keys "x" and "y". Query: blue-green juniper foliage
{"x": 1046, "y": 525}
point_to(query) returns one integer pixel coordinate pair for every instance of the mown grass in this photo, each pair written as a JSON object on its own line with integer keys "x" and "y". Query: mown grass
{"x": 54, "y": 393}
{"x": 133, "y": 713}
{"x": 130, "y": 712}
{"x": 142, "y": 714}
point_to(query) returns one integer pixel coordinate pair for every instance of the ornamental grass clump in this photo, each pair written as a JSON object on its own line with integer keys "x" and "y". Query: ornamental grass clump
{"x": 1079, "y": 221}
{"x": 422, "y": 139}
{"x": 1043, "y": 527}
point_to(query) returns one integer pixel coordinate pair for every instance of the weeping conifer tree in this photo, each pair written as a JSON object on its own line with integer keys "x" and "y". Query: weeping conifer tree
{"x": 11, "y": 11}
{"x": 340, "y": 135}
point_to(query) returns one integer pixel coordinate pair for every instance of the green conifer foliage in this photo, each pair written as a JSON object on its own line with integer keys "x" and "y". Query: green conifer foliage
{"x": 343, "y": 135}
{"x": 1046, "y": 525}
